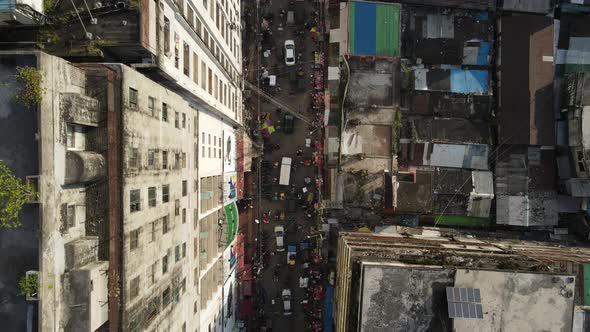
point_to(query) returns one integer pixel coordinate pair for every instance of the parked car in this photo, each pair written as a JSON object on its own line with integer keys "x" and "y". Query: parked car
{"x": 280, "y": 235}
{"x": 288, "y": 123}
{"x": 291, "y": 205}
{"x": 286, "y": 302}
{"x": 289, "y": 52}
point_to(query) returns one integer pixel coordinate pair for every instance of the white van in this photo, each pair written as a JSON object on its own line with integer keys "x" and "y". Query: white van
{"x": 286, "y": 302}
{"x": 285, "y": 171}
{"x": 280, "y": 234}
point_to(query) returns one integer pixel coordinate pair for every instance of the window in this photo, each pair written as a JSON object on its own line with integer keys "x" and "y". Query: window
{"x": 183, "y": 120}
{"x": 154, "y": 226}
{"x": 152, "y": 196}
{"x": 132, "y": 98}
{"x": 134, "y": 200}
{"x": 165, "y": 221}
{"x": 195, "y": 305}
{"x": 196, "y": 155}
{"x": 184, "y": 160}
{"x": 151, "y": 159}
{"x": 219, "y": 141}
{"x": 165, "y": 264}
{"x": 205, "y": 4}
{"x": 166, "y": 297}
{"x": 203, "y": 152}
{"x": 184, "y": 187}
{"x": 186, "y": 60}
{"x": 177, "y": 253}
{"x": 214, "y": 140}
{"x": 152, "y": 273}
{"x": 183, "y": 329}
{"x": 177, "y": 207}
{"x": 198, "y": 26}
{"x": 210, "y": 84}
{"x": 164, "y": 112}
{"x": 206, "y": 38}
{"x": 180, "y": 5}
{"x": 152, "y": 106}
{"x": 195, "y": 185}
{"x": 165, "y": 193}
{"x": 203, "y": 76}
{"x": 183, "y": 249}
{"x": 209, "y": 152}
{"x": 134, "y": 288}
{"x": 190, "y": 16}
{"x": 70, "y": 136}
{"x": 183, "y": 215}
{"x": 216, "y": 87}
{"x": 209, "y": 139}
{"x": 196, "y": 69}
{"x": 134, "y": 239}
{"x": 133, "y": 157}
{"x": 176, "y": 120}
{"x": 71, "y": 216}
{"x": 164, "y": 159}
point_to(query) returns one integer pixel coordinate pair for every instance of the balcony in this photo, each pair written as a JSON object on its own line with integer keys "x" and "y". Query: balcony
{"x": 21, "y": 12}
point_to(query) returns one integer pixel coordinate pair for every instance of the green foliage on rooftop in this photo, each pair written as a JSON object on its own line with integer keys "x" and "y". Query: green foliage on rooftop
{"x": 30, "y": 91}
{"x": 13, "y": 195}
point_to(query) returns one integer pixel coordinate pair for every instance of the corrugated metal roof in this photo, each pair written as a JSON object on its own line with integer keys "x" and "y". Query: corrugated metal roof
{"x": 512, "y": 210}
{"x": 448, "y": 155}
{"x": 439, "y": 26}
{"x": 578, "y": 187}
{"x": 529, "y": 6}
{"x": 480, "y": 199}
{"x": 471, "y": 156}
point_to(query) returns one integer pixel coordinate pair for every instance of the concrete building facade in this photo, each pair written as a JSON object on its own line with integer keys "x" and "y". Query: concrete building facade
{"x": 130, "y": 217}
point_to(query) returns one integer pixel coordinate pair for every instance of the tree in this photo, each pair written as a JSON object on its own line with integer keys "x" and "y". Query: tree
{"x": 13, "y": 195}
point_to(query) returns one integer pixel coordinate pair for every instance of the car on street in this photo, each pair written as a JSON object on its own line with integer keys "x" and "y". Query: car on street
{"x": 291, "y": 205}
{"x": 288, "y": 123}
{"x": 286, "y": 302}
{"x": 289, "y": 52}
{"x": 280, "y": 235}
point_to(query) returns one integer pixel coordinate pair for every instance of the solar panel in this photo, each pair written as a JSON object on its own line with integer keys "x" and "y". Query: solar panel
{"x": 464, "y": 303}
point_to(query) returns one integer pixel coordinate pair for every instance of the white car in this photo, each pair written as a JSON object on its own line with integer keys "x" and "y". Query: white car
{"x": 289, "y": 52}
{"x": 286, "y": 302}
{"x": 280, "y": 235}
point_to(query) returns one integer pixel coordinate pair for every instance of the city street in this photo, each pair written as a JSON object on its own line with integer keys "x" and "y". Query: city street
{"x": 288, "y": 206}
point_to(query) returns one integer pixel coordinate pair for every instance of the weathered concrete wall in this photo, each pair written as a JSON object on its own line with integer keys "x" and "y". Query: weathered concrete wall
{"x": 146, "y": 131}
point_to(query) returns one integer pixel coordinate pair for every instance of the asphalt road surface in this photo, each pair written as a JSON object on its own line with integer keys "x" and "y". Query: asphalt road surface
{"x": 277, "y": 273}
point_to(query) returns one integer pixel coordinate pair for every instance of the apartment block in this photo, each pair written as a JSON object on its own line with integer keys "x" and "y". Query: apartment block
{"x": 192, "y": 47}
{"x": 133, "y": 226}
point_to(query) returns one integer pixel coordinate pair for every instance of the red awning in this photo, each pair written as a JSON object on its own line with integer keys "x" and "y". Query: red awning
{"x": 247, "y": 287}
{"x": 246, "y": 309}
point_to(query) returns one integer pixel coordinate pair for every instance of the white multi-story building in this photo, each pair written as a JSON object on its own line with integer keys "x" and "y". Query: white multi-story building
{"x": 193, "y": 47}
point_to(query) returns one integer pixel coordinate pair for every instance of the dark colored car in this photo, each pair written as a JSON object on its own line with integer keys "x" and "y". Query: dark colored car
{"x": 291, "y": 205}
{"x": 288, "y": 123}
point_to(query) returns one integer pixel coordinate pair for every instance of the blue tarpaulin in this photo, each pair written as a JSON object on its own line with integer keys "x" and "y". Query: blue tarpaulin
{"x": 469, "y": 81}
{"x": 328, "y": 310}
{"x": 482, "y": 53}
{"x": 365, "y": 34}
